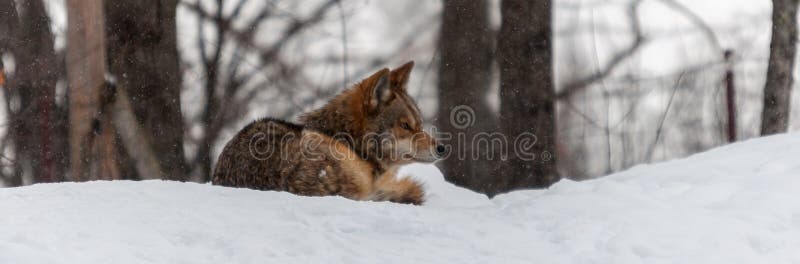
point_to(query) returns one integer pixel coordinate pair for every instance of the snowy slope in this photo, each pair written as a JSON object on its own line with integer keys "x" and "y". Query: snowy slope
{"x": 736, "y": 204}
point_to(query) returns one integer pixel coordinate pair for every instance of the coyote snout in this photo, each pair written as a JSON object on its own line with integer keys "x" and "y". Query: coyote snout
{"x": 418, "y": 147}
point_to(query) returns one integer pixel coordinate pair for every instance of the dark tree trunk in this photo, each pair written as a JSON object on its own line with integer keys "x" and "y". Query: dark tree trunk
{"x": 9, "y": 24}
{"x": 33, "y": 123}
{"x": 778, "y": 89}
{"x": 211, "y": 112}
{"x": 143, "y": 55}
{"x": 527, "y": 94}
{"x": 464, "y": 77}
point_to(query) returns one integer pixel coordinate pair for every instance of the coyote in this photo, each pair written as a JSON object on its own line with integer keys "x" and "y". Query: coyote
{"x": 352, "y": 146}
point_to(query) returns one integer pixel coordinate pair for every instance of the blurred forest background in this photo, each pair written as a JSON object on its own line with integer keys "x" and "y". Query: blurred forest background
{"x": 154, "y": 89}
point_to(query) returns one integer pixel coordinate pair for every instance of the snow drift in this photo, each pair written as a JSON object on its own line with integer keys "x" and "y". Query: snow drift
{"x": 735, "y": 204}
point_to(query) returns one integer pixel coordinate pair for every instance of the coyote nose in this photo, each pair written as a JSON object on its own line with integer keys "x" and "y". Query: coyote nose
{"x": 440, "y": 149}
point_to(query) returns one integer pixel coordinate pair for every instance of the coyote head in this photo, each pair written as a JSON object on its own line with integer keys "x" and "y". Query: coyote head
{"x": 379, "y": 120}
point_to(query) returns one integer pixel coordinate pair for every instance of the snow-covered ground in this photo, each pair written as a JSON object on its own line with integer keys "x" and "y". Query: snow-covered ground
{"x": 735, "y": 204}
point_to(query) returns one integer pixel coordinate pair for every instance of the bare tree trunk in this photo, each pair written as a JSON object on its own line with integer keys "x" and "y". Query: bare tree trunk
{"x": 38, "y": 75}
{"x": 778, "y": 89}
{"x": 464, "y": 78}
{"x": 90, "y": 138}
{"x": 132, "y": 135}
{"x": 144, "y": 57}
{"x": 527, "y": 94}
{"x": 211, "y": 112}
{"x": 9, "y": 23}
{"x": 27, "y": 37}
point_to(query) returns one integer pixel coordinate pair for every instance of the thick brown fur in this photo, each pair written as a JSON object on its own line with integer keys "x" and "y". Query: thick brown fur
{"x": 271, "y": 154}
{"x": 341, "y": 149}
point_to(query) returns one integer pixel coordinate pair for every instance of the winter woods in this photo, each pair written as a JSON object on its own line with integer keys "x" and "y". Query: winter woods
{"x": 134, "y": 90}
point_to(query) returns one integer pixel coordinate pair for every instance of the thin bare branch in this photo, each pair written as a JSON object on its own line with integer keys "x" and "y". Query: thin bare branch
{"x": 663, "y": 118}
{"x": 343, "y": 25}
{"x": 698, "y": 21}
{"x": 615, "y": 61}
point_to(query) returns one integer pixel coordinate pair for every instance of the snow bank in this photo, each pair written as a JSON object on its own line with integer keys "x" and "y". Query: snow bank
{"x": 736, "y": 204}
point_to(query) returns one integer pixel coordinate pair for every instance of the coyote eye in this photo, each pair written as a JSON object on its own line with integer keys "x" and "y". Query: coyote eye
{"x": 405, "y": 126}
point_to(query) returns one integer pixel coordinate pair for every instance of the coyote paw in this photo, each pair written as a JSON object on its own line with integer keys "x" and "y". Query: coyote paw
{"x": 403, "y": 190}
{"x": 412, "y": 194}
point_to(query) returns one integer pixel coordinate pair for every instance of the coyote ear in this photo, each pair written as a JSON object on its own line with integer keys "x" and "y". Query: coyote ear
{"x": 380, "y": 91}
{"x": 400, "y": 75}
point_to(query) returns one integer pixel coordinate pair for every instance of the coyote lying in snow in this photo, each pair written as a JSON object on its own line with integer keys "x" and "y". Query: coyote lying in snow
{"x": 352, "y": 146}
